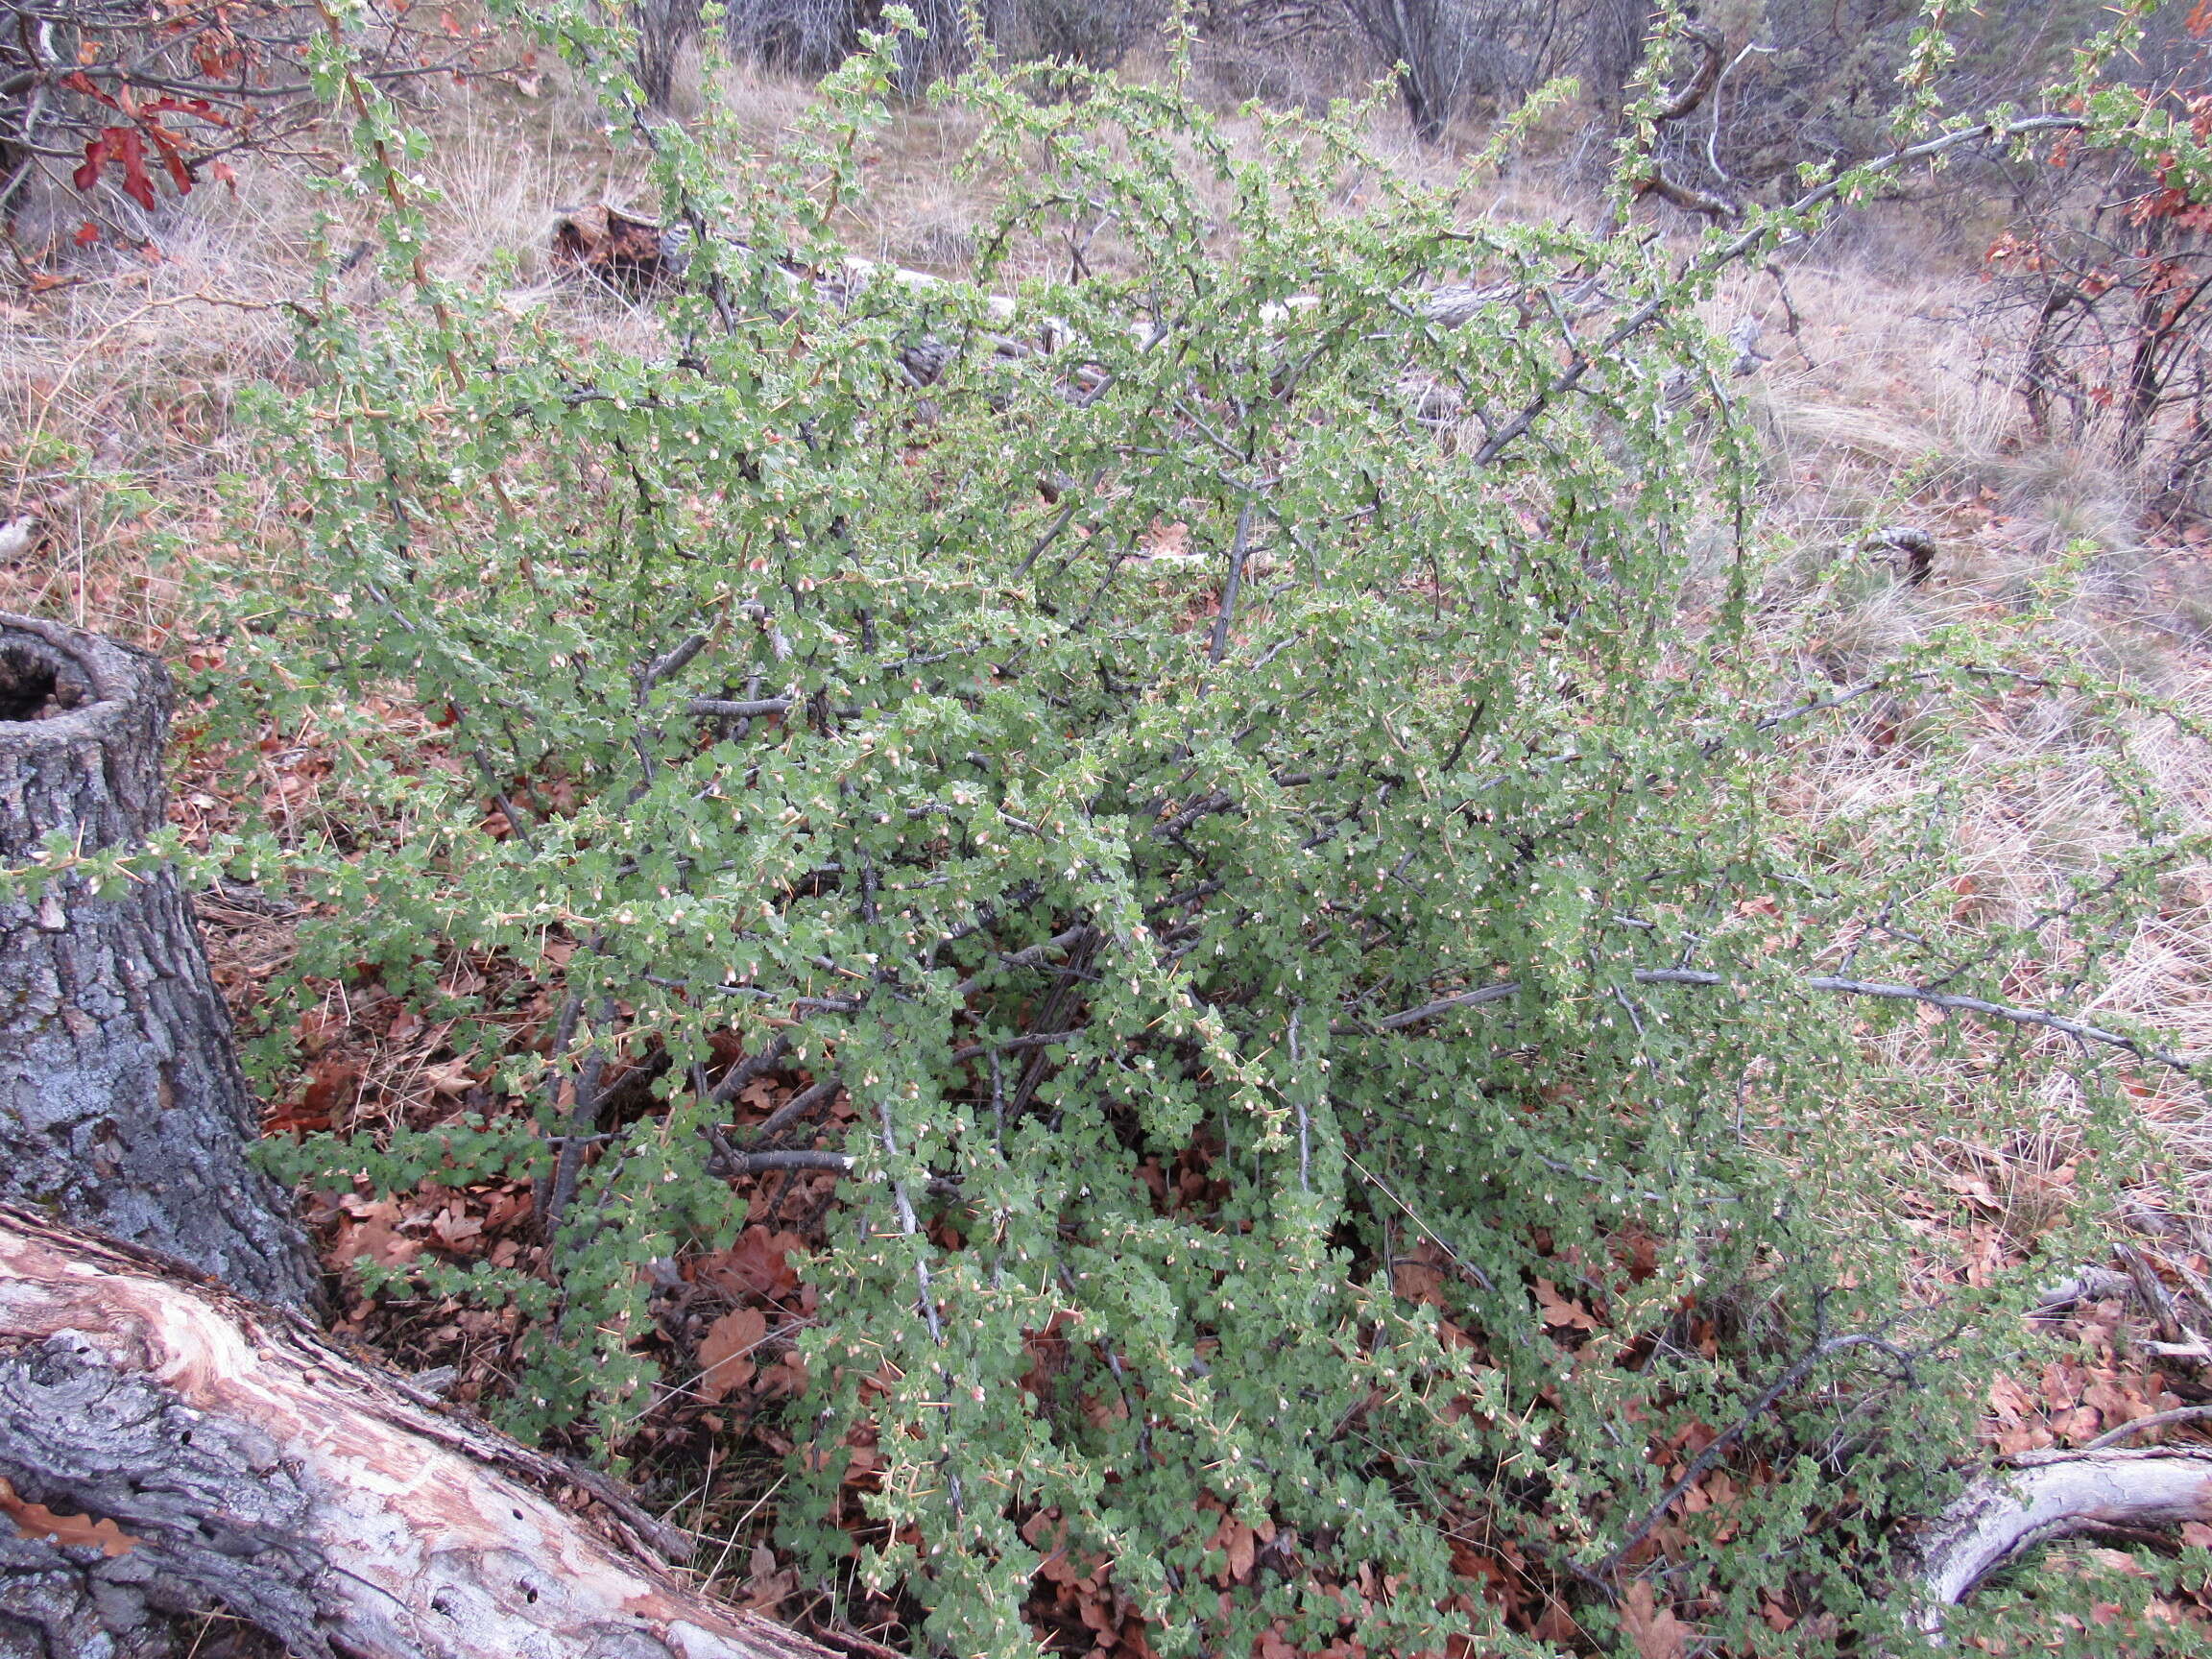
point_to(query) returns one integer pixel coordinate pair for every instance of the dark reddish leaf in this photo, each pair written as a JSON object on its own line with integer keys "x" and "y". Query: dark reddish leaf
{"x": 79, "y": 82}
{"x": 137, "y": 185}
{"x": 95, "y": 159}
{"x": 172, "y": 155}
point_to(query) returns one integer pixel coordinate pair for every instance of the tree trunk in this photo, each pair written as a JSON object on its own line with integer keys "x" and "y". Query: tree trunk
{"x": 667, "y": 30}
{"x": 122, "y": 1108}
{"x": 189, "y": 1447}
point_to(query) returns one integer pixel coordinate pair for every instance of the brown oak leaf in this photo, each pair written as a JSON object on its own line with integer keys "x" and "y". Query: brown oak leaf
{"x": 1561, "y": 1312}
{"x": 1654, "y": 1629}
{"x": 36, "y": 1521}
{"x": 757, "y": 1266}
{"x": 726, "y": 1351}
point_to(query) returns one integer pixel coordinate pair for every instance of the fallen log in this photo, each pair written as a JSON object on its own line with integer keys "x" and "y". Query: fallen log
{"x": 2051, "y": 1495}
{"x": 633, "y": 256}
{"x": 167, "y": 1446}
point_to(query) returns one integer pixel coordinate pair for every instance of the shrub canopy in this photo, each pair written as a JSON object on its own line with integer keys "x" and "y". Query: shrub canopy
{"x": 1253, "y": 763}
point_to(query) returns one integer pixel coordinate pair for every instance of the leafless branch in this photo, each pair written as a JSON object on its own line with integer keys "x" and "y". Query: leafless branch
{"x": 1637, "y": 320}
{"x": 1950, "y": 1001}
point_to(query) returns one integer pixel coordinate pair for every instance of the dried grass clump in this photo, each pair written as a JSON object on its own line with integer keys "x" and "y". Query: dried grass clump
{"x": 118, "y": 388}
{"x": 1881, "y": 402}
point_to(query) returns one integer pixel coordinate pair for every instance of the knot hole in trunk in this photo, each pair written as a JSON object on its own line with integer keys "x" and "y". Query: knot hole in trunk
{"x": 37, "y": 682}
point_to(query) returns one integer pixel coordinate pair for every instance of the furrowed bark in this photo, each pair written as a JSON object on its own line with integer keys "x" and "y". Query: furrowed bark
{"x": 122, "y": 1107}
{"x": 244, "y": 1461}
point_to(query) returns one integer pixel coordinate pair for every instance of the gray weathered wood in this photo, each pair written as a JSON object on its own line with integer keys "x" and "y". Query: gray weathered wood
{"x": 2051, "y": 1495}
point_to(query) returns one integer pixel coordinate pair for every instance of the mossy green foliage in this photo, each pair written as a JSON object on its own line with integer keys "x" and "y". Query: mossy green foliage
{"x": 1401, "y": 711}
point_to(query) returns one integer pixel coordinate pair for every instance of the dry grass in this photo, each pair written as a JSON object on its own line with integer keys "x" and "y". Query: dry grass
{"x": 1891, "y": 406}
{"x": 120, "y": 383}
{"x": 119, "y": 391}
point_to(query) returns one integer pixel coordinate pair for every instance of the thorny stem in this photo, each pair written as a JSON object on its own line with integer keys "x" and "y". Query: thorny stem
{"x": 358, "y": 94}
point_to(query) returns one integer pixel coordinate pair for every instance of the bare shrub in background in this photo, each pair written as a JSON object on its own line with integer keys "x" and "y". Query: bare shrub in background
{"x": 1451, "y": 53}
{"x": 112, "y": 110}
{"x": 1815, "y": 80}
{"x": 1097, "y": 33}
{"x": 1791, "y": 81}
{"x": 2096, "y": 289}
{"x": 812, "y": 36}
{"x": 807, "y": 36}
{"x": 1448, "y": 56}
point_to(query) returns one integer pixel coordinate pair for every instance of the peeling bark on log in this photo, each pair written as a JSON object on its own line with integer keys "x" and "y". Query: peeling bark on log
{"x": 337, "y": 1507}
{"x": 122, "y": 1107}
{"x": 2057, "y": 1495}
